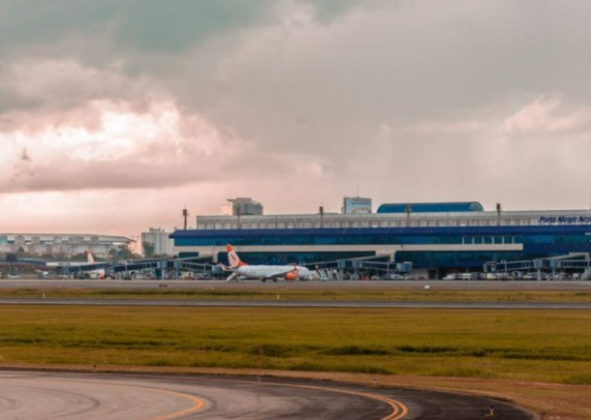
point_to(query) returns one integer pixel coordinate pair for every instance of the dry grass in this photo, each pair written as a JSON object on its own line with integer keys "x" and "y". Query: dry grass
{"x": 328, "y": 293}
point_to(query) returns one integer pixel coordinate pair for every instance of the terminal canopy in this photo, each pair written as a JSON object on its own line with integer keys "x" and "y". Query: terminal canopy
{"x": 446, "y": 207}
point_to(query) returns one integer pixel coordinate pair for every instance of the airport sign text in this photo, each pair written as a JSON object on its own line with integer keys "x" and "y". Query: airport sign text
{"x": 565, "y": 220}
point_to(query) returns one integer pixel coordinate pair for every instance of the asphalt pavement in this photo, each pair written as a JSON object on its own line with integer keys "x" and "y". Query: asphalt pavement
{"x": 66, "y": 395}
{"x": 278, "y": 303}
{"x": 295, "y": 285}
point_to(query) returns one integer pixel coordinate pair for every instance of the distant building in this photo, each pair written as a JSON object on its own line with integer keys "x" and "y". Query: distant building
{"x": 156, "y": 242}
{"x": 242, "y": 206}
{"x": 61, "y": 244}
{"x": 356, "y": 205}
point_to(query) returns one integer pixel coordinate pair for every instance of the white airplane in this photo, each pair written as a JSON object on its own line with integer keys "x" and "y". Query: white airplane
{"x": 263, "y": 272}
{"x": 89, "y": 261}
{"x": 99, "y": 273}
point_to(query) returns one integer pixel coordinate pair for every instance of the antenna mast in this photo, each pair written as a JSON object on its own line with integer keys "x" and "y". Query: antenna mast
{"x": 185, "y": 217}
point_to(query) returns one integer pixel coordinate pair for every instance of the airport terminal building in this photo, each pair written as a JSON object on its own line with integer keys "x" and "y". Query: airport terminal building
{"x": 436, "y": 237}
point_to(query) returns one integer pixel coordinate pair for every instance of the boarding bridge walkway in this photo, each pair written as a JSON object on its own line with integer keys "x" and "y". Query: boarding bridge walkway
{"x": 575, "y": 262}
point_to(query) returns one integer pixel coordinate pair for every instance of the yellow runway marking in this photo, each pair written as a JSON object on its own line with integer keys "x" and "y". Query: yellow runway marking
{"x": 399, "y": 410}
{"x": 197, "y": 402}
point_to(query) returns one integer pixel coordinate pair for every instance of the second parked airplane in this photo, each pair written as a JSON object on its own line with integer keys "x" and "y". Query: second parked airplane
{"x": 264, "y": 272}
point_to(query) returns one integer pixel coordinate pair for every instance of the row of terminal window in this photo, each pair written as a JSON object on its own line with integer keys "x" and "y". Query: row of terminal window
{"x": 352, "y": 239}
{"x": 36, "y": 240}
{"x": 366, "y": 224}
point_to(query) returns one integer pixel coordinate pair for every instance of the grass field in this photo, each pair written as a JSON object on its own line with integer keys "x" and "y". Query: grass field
{"x": 319, "y": 293}
{"x": 549, "y": 346}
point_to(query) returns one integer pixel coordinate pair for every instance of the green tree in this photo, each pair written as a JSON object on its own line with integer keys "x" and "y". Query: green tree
{"x": 148, "y": 249}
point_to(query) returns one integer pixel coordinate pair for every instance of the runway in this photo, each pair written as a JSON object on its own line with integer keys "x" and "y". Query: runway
{"x": 299, "y": 304}
{"x": 305, "y": 285}
{"x": 41, "y": 395}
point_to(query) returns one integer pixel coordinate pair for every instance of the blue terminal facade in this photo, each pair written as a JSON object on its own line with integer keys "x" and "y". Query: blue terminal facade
{"x": 461, "y": 239}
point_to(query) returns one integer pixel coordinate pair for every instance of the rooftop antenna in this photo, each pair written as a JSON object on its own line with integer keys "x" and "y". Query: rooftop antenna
{"x": 499, "y": 209}
{"x": 185, "y": 217}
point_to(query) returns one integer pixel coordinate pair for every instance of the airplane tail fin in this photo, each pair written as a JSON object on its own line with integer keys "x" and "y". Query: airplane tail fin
{"x": 89, "y": 257}
{"x": 233, "y": 257}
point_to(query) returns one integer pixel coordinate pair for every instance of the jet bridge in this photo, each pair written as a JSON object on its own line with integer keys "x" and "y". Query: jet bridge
{"x": 159, "y": 266}
{"x": 377, "y": 264}
{"x": 572, "y": 263}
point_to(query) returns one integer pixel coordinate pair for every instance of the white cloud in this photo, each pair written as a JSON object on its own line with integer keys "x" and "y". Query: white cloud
{"x": 125, "y": 149}
{"x": 547, "y": 115}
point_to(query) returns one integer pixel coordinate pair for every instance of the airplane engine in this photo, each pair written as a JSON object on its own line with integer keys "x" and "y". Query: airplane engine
{"x": 292, "y": 275}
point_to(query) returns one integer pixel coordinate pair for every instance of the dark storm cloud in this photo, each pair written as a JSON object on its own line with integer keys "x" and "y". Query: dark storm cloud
{"x": 151, "y": 25}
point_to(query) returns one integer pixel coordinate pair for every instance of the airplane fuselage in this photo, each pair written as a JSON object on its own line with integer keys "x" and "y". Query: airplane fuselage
{"x": 272, "y": 271}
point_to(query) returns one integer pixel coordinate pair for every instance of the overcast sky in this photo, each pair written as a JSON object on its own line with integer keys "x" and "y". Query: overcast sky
{"x": 115, "y": 114}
